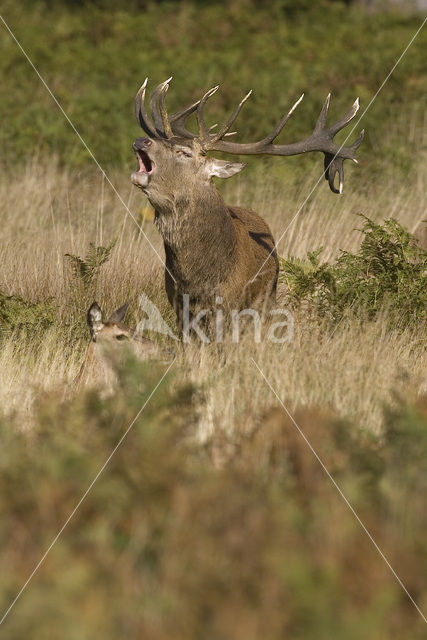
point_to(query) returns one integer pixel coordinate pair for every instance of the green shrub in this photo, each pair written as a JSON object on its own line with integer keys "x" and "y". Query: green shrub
{"x": 19, "y": 314}
{"x": 95, "y": 58}
{"x": 85, "y": 274}
{"x": 389, "y": 270}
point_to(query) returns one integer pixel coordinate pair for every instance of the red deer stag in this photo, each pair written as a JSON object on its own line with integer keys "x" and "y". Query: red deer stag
{"x": 214, "y": 250}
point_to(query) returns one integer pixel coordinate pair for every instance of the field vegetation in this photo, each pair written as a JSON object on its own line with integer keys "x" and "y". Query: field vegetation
{"x": 213, "y": 519}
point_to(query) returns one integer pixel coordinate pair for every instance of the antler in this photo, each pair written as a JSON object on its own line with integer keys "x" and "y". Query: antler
{"x": 141, "y": 114}
{"x": 163, "y": 126}
{"x": 320, "y": 140}
{"x": 160, "y": 124}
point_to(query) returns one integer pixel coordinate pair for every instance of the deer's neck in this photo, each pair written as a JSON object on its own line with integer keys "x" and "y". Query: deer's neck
{"x": 199, "y": 237}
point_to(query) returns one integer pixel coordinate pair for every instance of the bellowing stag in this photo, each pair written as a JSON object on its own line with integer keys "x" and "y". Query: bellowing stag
{"x": 213, "y": 250}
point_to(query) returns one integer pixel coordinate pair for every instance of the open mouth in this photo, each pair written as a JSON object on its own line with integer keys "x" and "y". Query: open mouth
{"x": 145, "y": 163}
{"x": 146, "y": 168}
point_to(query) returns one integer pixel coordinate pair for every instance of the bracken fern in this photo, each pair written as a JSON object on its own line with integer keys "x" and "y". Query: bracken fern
{"x": 389, "y": 270}
{"x": 87, "y": 269}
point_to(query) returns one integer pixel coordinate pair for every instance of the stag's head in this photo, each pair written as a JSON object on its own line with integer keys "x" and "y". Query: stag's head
{"x": 170, "y": 167}
{"x": 172, "y": 159}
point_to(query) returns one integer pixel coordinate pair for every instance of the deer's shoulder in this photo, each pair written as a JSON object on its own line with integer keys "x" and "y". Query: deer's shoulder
{"x": 248, "y": 218}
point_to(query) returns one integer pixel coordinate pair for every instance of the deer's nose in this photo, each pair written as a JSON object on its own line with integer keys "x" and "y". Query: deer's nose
{"x": 141, "y": 143}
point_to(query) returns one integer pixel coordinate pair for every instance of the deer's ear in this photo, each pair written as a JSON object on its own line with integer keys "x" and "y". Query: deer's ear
{"x": 223, "y": 168}
{"x": 94, "y": 318}
{"x": 119, "y": 314}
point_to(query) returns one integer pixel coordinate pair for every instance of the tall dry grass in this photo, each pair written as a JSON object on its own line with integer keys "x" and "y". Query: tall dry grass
{"x": 48, "y": 211}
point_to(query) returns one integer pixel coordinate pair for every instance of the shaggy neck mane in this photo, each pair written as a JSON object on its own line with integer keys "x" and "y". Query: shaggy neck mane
{"x": 199, "y": 236}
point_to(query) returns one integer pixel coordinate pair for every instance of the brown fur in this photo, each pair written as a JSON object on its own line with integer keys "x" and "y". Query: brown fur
{"x": 109, "y": 341}
{"x": 212, "y": 250}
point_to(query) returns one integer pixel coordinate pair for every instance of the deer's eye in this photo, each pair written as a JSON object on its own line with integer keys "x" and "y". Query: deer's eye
{"x": 181, "y": 153}
{"x": 122, "y": 336}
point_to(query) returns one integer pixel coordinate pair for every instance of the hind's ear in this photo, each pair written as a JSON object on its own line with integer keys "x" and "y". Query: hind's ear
{"x": 94, "y": 318}
{"x": 119, "y": 314}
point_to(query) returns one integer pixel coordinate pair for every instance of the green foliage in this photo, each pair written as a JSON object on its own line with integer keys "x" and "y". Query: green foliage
{"x": 166, "y": 544}
{"x": 94, "y": 60}
{"x": 87, "y": 269}
{"x": 390, "y": 270}
{"x": 19, "y": 314}
{"x": 85, "y": 273}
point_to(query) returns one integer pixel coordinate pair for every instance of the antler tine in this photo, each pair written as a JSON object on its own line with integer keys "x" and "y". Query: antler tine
{"x": 203, "y": 130}
{"x": 342, "y": 122}
{"x": 163, "y": 111}
{"x": 140, "y": 112}
{"x": 181, "y": 116}
{"x": 335, "y": 164}
{"x": 281, "y": 124}
{"x": 177, "y": 121}
{"x": 323, "y": 116}
{"x": 154, "y": 108}
{"x": 356, "y": 144}
{"x": 223, "y": 131}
